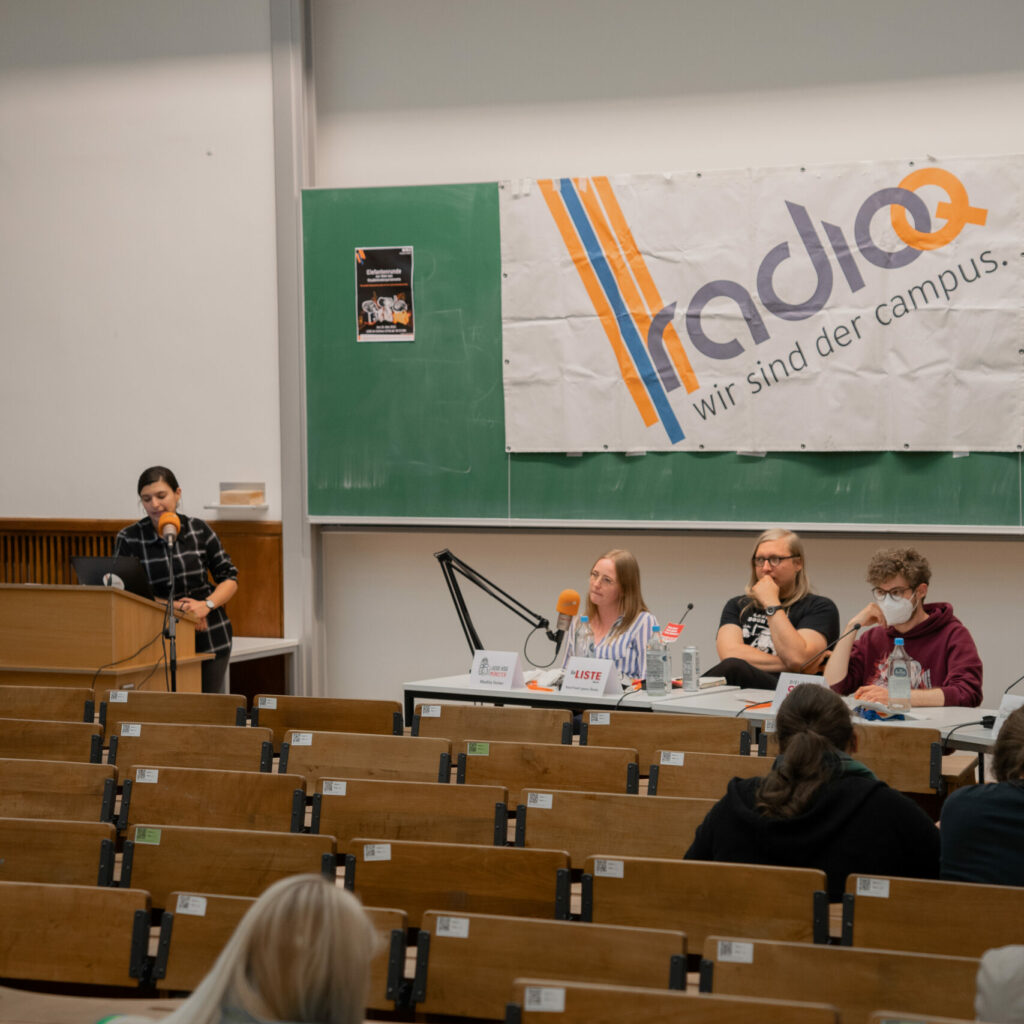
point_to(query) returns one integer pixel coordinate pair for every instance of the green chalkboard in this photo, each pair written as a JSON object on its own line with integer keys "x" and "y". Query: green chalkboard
{"x": 416, "y": 429}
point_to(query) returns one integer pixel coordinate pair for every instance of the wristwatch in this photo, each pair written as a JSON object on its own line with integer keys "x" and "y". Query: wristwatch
{"x": 211, "y": 605}
{"x": 769, "y": 611}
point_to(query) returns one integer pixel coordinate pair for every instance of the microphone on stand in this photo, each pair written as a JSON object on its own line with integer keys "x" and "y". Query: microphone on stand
{"x": 168, "y": 526}
{"x": 672, "y": 630}
{"x": 689, "y": 608}
{"x": 567, "y": 606}
{"x": 828, "y": 647}
{"x": 1012, "y": 685}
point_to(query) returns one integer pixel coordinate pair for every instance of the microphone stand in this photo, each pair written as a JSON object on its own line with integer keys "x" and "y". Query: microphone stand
{"x": 452, "y": 564}
{"x": 171, "y": 630}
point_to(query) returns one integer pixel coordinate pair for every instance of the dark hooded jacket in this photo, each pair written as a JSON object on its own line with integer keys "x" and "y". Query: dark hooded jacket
{"x": 854, "y": 824}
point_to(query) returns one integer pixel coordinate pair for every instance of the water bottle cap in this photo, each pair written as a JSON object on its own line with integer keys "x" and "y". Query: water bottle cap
{"x": 657, "y": 629}
{"x": 898, "y": 642}
{"x": 583, "y": 618}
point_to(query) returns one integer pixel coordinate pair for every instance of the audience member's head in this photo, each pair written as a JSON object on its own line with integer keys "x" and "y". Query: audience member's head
{"x": 999, "y": 997}
{"x": 1008, "y": 752}
{"x": 300, "y": 954}
{"x": 814, "y": 728}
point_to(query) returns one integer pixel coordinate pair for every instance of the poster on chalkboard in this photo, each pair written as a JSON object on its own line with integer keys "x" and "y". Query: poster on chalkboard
{"x": 384, "y": 294}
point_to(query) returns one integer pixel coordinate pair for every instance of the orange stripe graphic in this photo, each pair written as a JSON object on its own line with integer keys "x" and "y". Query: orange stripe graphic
{"x": 673, "y": 345}
{"x": 634, "y": 303}
{"x": 600, "y": 303}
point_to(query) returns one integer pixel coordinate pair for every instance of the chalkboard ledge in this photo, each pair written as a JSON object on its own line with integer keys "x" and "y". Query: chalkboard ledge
{"x": 633, "y": 525}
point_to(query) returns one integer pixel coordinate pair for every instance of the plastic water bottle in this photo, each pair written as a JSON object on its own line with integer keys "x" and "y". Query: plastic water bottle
{"x": 659, "y": 663}
{"x": 898, "y": 677}
{"x": 584, "y": 646}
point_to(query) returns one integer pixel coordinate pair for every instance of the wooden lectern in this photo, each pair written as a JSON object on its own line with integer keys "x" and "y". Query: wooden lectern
{"x": 64, "y": 636}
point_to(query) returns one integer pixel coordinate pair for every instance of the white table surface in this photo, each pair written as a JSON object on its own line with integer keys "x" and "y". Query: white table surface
{"x": 726, "y": 700}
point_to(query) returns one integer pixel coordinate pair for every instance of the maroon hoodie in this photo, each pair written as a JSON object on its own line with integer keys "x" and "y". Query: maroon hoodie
{"x": 941, "y": 644}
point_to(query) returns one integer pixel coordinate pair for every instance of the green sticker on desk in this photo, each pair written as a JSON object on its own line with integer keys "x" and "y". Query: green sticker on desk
{"x": 148, "y": 835}
{"x": 477, "y": 749}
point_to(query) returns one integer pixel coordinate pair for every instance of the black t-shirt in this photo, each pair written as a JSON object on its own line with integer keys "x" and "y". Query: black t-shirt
{"x": 811, "y": 612}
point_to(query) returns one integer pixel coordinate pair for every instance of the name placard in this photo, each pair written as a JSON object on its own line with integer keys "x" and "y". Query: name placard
{"x": 789, "y": 681}
{"x": 1009, "y": 704}
{"x": 591, "y": 677}
{"x": 497, "y": 670}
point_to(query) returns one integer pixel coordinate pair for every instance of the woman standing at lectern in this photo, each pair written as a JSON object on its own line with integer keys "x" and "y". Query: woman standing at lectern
{"x": 196, "y": 555}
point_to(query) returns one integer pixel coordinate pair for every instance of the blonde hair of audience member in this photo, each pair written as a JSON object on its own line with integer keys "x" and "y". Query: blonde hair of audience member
{"x": 1008, "y": 751}
{"x": 802, "y": 585}
{"x": 300, "y": 954}
{"x": 814, "y": 728}
{"x": 631, "y": 599}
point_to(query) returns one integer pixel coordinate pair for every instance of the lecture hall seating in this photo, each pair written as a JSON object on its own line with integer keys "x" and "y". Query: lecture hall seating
{"x": 466, "y": 963}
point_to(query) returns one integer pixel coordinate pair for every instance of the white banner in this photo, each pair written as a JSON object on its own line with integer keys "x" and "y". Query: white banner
{"x": 873, "y": 306}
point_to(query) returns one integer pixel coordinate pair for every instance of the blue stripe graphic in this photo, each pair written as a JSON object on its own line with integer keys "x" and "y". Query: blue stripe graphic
{"x": 630, "y": 335}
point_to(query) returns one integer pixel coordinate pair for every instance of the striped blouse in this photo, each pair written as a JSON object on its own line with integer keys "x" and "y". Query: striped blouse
{"x": 628, "y": 650}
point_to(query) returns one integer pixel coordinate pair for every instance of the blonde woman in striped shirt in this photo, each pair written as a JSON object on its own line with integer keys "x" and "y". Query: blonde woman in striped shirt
{"x": 618, "y": 616}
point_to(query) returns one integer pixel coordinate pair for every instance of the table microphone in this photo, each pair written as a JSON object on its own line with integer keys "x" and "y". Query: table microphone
{"x": 828, "y": 647}
{"x": 567, "y": 606}
{"x": 1012, "y": 685}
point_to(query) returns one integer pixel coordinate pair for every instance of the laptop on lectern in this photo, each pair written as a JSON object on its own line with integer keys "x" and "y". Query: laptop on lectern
{"x": 124, "y": 572}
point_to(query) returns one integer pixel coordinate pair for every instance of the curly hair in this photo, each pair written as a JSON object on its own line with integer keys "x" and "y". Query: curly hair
{"x": 906, "y": 562}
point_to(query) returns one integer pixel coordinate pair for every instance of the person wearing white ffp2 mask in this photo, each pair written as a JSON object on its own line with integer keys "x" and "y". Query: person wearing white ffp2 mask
{"x": 932, "y": 635}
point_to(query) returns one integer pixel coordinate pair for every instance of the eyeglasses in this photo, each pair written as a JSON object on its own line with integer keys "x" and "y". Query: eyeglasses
{"x": 773, "y": 560}
{"x": 898, "y": 592}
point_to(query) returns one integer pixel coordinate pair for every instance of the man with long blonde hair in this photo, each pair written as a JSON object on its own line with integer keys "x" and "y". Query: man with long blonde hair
{"x": 778, "y": 624}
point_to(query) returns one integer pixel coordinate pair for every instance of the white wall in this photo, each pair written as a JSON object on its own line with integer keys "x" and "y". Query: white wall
{"x": 137, "y": 268}
{"x": 420, "y": 93}
{"x": 389, "y": 618}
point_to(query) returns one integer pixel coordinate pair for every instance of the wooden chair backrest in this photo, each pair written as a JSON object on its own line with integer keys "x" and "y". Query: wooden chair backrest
{"x": 47, "y": 850}
{"x": 189, "y": 746}
{"x": 353, "y": 755}
{"x": 466, "y": 963}
{"x": 591, "y": 1003}
{"x": 711, "y": 734}
{"x": 54, "y": 703}
{"x": 213, "y": 798}
{"x": 926, "y": 916}
{"x": 117, "y": 706}
{"x": 701, "y": 897}
{"x": 198, "y": 925}
{"x": 856, "y": 981}
{"x": 421, "y": 811}
{"x": 325, "y": 714}
{"x": 700, "y": 776}
{"x": 520, "y": 766}
{"x": 193, "y": 930}
{"x": 625, "y": 824}
{"x": 72, "y": 790}
{"x": 387, "y": 969}
{"x": 73, "y": 933}
{"x": 43, "y": 740}
{"x": 461, "y": 722}
{"x": 236, "y": 862}
{"x": 418, "y": 877}
{"x": 908, "y": 758}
